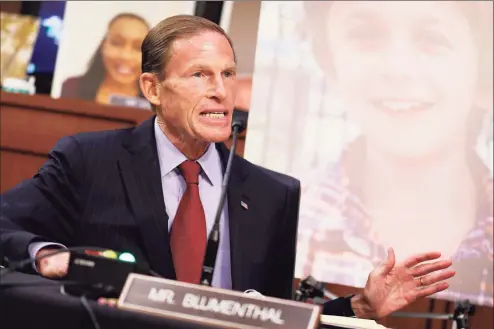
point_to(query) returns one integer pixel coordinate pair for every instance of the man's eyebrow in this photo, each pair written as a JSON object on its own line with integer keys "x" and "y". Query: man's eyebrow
{"x": 229, "y": 67}
{"x": 197, "y": 67}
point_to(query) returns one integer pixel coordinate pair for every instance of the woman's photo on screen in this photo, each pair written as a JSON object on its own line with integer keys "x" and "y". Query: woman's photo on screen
{"x": 115, "y": 66}
{"x": 99, "y": 55}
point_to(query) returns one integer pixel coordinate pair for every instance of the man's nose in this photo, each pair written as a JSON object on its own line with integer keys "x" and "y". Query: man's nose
{"x": 219, "y": 89}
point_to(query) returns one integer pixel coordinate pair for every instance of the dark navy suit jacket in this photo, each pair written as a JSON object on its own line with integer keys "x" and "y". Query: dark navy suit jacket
{"x": 104, "y": 189}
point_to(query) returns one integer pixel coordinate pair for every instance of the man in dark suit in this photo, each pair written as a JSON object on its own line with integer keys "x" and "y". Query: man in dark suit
{"x": 153, "y": 190}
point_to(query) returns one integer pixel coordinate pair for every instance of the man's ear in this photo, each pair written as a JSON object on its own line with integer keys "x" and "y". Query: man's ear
{"x": 150, "y": 88}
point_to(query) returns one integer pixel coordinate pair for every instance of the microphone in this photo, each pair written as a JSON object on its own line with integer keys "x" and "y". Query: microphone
{"x": 240, "y": 117}
{"x": 238, "y": 125}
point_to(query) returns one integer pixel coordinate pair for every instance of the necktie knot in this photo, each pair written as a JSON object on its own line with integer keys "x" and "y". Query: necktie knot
{"x": 190, "y": 171}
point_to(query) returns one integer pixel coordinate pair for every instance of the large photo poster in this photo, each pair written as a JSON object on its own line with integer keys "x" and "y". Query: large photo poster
{"x": 383, "y": 110}
{"x": 240, "y": 20}
{"x": 99, "y": 58}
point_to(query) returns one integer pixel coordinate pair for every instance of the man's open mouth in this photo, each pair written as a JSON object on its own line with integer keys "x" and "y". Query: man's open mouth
{"x": 214, "y": 114}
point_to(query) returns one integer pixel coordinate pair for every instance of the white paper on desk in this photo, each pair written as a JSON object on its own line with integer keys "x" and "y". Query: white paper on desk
{"x": 350, "y": 323}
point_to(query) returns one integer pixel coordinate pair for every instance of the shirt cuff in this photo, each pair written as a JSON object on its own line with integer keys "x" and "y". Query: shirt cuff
{"x": 34, "y": 247}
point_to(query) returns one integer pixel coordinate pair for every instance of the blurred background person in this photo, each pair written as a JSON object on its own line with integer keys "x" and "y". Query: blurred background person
{"x": 416, "y": 79}
{"x": 116, "y": 65}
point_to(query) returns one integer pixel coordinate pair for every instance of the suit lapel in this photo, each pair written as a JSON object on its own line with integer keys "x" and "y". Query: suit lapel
{"x": 139, "y": 167}
{"x": 238, "y": 218}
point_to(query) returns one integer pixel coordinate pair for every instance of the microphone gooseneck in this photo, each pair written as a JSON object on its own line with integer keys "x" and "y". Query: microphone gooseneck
{"x": 214, "y": 236}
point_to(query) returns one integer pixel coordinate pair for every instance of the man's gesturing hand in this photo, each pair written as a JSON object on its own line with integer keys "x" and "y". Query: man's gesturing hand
{"x": 55, "y": 266}
{"x": 390, "y": 288}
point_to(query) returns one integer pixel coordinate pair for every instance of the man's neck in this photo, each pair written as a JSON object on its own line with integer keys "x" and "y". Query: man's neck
{"x": 192, "y": 149}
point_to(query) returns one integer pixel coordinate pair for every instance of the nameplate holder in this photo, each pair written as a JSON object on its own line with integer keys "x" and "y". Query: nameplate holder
{"x": 208, "y": 307}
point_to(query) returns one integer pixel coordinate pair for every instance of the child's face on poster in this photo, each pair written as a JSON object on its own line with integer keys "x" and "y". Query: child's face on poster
{"x": 407, "y": 71}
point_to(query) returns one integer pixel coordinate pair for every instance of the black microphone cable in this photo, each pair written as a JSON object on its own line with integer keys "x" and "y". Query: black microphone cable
{"x": 90, "y": 311}
{"x": 238, "y": 125}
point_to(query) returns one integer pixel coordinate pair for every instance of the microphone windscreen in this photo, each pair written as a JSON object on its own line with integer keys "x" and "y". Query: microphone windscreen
{"x": 240, "y": 119}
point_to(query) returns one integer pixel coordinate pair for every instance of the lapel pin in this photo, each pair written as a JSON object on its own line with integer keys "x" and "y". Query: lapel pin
{"x": 244, "y": 205}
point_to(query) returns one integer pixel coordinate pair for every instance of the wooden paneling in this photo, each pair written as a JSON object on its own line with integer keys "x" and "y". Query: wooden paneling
{"x": 21, "y": 127}
{"x": 17, "y": 166}
{"x": 31, "y": 125}
{"x": 75, "y": 107}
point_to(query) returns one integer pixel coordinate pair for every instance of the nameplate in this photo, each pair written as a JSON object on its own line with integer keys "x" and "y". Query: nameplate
{"x": 206, "y": 307}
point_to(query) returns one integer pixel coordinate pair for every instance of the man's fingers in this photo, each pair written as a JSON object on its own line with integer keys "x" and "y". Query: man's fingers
{"x": 55, "y": 266}
{"x": 420, "y": 258}
{"x": 431, "y": 290}
{"x": 438, "y": 276}
{"x": 424, "y": 269}
{"x": 53, "y": 272}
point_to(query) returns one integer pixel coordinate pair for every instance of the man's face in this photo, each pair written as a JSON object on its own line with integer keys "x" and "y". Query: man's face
{"x": 198, "y": 91}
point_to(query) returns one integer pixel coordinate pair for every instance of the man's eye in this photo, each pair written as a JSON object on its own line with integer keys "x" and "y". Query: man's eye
{"x": 197, "y": 74}
{"x": 228, "y": 74}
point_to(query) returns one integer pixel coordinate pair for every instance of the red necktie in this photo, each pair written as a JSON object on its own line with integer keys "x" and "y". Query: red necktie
{"x": 188, "y": 234}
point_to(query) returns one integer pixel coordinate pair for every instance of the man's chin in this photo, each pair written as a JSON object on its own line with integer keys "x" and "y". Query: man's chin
{"x": 216, "y": 137}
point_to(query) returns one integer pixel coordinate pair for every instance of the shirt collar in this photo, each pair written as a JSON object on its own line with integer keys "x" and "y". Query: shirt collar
{"x": 170, "y": 158}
